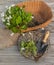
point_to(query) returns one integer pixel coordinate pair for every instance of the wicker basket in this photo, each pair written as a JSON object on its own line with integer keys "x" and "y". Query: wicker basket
{"x": 40, "y": 10}
{"x": 36, "y": 35}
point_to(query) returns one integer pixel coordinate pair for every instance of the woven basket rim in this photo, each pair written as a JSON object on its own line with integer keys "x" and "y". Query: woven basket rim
{"x": 35, "y": 27}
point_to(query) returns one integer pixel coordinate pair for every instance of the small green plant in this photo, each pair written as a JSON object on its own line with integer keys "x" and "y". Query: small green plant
{"x": 16, "y": 19}
{"x": 29, "y": 48}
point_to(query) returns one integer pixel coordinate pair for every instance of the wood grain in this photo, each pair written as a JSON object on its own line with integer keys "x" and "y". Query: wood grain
{"x": 11, "y": 56}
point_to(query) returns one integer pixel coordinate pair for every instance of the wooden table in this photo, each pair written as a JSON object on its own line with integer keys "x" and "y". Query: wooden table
{"x": 11, "y": 56}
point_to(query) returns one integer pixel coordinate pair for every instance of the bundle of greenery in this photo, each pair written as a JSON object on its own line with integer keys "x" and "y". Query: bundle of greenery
{"x": 16, "y": 19}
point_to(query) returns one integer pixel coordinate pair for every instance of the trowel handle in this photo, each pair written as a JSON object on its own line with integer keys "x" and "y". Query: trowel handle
{"x": 46, "y": 36}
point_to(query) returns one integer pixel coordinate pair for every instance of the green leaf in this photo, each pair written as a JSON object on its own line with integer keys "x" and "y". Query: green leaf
{"x": 12, "y": 10}
{"x": 24, "y": 27}
{"x": 29, "y": 18}
{"x": 30, "y": 48}
{"x": 18, "y": 20}
{"x": 14, "y": 29}
{"x": 17, "y": 8}
{"x": 22, "y": 44}
{"x": 12, "y": 21}
{"x": 7, "y": 13}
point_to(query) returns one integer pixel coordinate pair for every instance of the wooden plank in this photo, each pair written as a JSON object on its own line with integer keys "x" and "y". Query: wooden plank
{"x": 25, "y": 64}
{"x": 49, "y": 1}
{"x": 11, "y": 56}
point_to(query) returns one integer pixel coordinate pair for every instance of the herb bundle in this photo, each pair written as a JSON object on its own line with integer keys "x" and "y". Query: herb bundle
{"x": 29, "y": 48}
{"x": 16, "y": 19}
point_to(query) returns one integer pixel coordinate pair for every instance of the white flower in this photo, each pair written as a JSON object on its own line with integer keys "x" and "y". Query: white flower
{"x": 32, "y": 16}
{"x": 22, "y": 49}
{"x": 9, "y": 12}
{"x": 30, "y": 33}
{"x": 8, "y": 23}
{"x": 20, "y": 7}
{"x": 23, "y": 34}
{"x": 9, "y": 17}
{"x": 11, "y": 34}
{"x": 6, "y": 7}
{"x": 12, "y": 5}
{"x": 42, "y": 28}
{"x": 3, "y": 19}
{"x": 2, "y": 14}
{"x": 9, "y": 7}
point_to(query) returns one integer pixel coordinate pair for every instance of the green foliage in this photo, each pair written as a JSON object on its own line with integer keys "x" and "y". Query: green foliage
{"x": 29, "y": 48}
{"x": 17, "y": 18}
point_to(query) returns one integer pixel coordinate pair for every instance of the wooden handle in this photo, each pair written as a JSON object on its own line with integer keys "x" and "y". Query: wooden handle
{"x": 46, "y": 36}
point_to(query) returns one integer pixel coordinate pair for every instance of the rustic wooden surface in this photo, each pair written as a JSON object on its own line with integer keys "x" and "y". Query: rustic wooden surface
{"x": 11, "y": 56}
